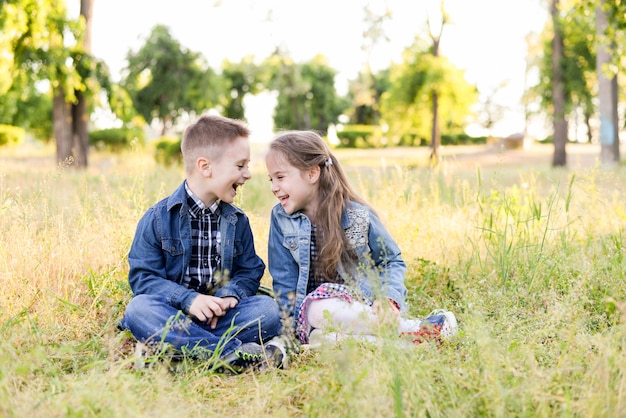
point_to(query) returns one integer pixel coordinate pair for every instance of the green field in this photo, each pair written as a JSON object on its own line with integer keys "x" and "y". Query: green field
{"x": 530, "y": 258}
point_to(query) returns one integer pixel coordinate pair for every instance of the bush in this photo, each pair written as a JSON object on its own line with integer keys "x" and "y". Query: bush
{"x": 117, "y": 139}
{"x": 11, "y": 135}
{"x": 355, "y": 136}
{"x": 168, "y": 151}
{"x": 462, "y": 139}
{"x": 410, "y": 138}
{"x": 369, "y": 136}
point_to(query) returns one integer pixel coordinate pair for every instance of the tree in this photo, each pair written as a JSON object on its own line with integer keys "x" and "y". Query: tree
{"x": 48, "y": 49}
{"x": 607, "y": 90}
{"x": 366, "y": 90}
{"x": 559, "y": 96}
{"x": 435, "y": 138}
{"x": 570, "y": 32}
{"x": 407, "y": 105}
{"x": 165, "y": 80}
{"x": 365, "y": 93}
{"x": 307, "y": 98}
{"x": 239, "y": 79}
{"x": 80, "y": 109}
{"x": 70, "y": 88}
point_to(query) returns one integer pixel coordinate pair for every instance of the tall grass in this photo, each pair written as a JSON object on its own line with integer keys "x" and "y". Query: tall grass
{"x": 530, "y": 259}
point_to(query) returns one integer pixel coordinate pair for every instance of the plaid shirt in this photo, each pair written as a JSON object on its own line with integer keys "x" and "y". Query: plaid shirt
{"x": 201, "y": 275}
{"x": 315, "y": 276}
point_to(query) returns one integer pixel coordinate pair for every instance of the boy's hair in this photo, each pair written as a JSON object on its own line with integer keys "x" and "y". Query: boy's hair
{"x": 207, "y": 136}
{"x": 304, "y": 150}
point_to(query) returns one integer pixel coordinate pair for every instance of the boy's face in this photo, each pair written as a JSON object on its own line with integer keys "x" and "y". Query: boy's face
{"x": 229, "y": 171}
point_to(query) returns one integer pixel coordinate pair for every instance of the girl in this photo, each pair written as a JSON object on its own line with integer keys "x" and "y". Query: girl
{"x": 333, "y": 264}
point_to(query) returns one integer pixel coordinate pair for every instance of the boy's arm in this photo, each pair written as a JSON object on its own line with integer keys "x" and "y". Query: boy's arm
{"x": 247, "y": 267}
{"x": 147, "y": 260}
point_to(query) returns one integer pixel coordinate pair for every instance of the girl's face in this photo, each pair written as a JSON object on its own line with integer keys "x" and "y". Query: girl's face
{"x": 295, "y": 189}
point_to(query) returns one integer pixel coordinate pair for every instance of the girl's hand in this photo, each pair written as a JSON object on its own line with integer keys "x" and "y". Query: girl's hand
{"x": 387, "y": 309}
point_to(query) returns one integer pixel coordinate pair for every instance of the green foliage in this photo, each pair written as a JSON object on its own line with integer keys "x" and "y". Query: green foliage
{"x": 28, "y": 108}
{"x": 355, "y": 136}
{"x": 240, "y": 79}
{"x": 367, "y": 136}
{"x": 37, "y": 54}
{"x": 11, "y": 135}
{"x": 168, "y": 152}
{"x": 165, "y": 79}
{"x": 407, "y": 105}
{"x": 578, "y": 63}
{"x": 462, "y": 139}
{"x": 307, "y": 98}
{"x": 117, "y": 139}
{"x": 364, "y": 95}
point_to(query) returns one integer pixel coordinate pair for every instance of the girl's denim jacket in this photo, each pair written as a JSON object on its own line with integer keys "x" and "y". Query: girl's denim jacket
{"x": 161, "y": 251}
{"x": 379, "y": 270}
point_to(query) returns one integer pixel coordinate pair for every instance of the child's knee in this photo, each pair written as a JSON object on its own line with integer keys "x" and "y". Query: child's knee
{"x": 315, "y": 313}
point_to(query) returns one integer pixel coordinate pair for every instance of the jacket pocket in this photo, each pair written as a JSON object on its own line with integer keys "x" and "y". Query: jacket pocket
{"x": 172, "y": 246}
{"x": 291, "y": 242}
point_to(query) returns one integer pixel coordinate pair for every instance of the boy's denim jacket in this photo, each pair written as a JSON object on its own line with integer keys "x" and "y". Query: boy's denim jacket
{"x": 379, "y": 258}
{"x": 161, "y": 251}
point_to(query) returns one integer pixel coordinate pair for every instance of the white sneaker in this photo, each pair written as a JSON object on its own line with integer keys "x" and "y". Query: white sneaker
{"x": 450, "y": 326}
{"x": 437, "y": 325}
{"x": 280, "y": 351}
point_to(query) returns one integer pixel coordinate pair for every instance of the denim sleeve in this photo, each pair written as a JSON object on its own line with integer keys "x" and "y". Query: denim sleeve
{"x": 283, "y": 269}
{"x": 148, "y": 273}
{"x": 248, "y": 268}
{"x": 388, "y": 260}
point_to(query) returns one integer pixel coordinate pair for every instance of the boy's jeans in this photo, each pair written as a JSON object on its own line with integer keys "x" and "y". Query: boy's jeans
{"x": 151, "y": 319}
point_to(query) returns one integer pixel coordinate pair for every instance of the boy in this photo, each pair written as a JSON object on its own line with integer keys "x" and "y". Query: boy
{"x": 194, "y": 271}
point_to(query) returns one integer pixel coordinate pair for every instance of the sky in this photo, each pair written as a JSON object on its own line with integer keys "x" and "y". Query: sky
{"x": 486, "y": 38}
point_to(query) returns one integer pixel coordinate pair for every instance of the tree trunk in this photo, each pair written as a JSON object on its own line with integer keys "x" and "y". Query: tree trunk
{"x": 80, "y": 133}
{"x": 62, "y": 124}
{"x": 609, "y": 151}
{"x": 614, "y": 98}
{"x": 588, "y": 125}
{"x": 559, "y": 98}
{"x": 435, "y": 135}
{"x": 80, "y": 118}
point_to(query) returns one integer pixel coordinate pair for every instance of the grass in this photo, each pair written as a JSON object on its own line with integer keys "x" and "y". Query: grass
{"x": 531, "y": 259}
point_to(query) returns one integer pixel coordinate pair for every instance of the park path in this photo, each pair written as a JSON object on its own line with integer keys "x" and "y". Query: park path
{"x": 579, "y": 156}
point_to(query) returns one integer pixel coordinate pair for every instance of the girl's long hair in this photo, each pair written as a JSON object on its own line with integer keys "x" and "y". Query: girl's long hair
{"x": 304, "y": 150}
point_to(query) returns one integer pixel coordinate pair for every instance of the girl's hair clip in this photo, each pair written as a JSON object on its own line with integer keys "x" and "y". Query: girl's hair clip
{"x": 328, "y": 162}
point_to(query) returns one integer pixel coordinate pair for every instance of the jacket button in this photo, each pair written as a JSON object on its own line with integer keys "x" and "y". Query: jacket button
{"x": 173, "y": 249}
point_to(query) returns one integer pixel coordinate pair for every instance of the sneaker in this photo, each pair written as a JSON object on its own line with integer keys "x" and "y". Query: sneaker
{"x": 449, "y": 326}
{"x": 276, "y": 351}
{"x": 254, "y": 356}
{"x": 275, "y": 357}
{"x": 437, "y": 325}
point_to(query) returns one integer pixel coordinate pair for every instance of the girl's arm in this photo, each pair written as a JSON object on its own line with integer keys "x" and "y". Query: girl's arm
{"x": 283, "y": 269}
{"x": 388, "y": 260}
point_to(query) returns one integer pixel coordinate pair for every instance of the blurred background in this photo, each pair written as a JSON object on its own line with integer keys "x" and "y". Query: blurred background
{"x": 94, "y": 74}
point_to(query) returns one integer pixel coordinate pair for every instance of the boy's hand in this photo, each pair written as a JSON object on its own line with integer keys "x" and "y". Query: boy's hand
{"x": 209, "y": 309}
{"x": 229, "y": 302}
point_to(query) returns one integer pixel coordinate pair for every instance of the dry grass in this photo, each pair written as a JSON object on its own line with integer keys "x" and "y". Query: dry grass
{"x": 530, "y": 258}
